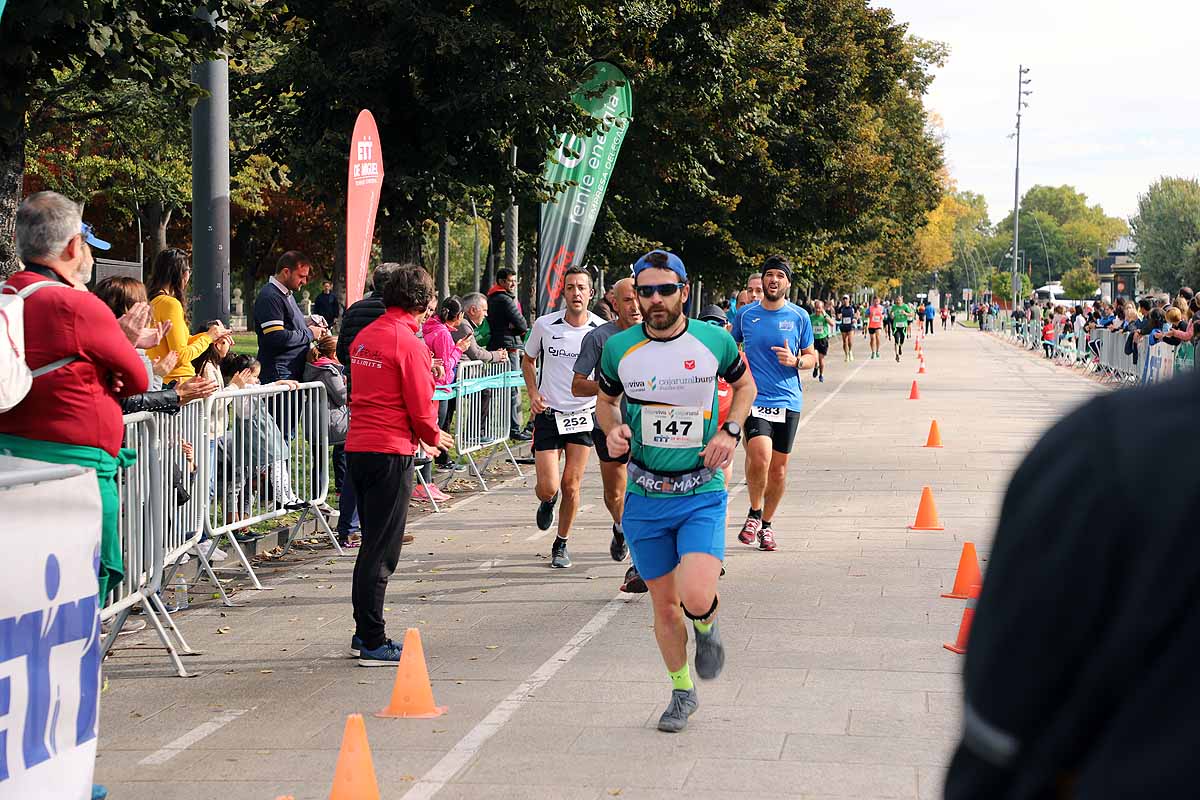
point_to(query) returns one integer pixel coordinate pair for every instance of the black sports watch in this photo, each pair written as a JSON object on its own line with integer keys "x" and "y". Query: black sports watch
{"x": 733, "y": 429}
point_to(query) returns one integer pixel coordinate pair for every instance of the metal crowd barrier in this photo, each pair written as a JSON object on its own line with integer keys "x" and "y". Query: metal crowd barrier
{"x": 269, "y": 458}
{"x": 482, "y": 419}
{"x": 256, "y": 454}
{"x": 142, "y": 522}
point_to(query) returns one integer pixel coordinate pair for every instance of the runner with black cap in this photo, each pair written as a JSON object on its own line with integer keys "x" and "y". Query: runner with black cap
{"x": 667, "y": 370}
{"x": 846, "y": 315}
{"x": 777, "y": 338}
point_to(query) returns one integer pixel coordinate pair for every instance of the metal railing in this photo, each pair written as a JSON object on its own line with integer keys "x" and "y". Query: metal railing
{"x": 1105, "y": 352}
{"x": 483, "y": 396}
{"x": 269, "y": 456}
{"x": 247, "y": 456}
{"x": 142, "y": 522}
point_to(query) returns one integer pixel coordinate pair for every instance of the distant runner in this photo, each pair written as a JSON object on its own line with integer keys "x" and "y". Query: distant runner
{"x": 562, "y": 421}
{"x": 667, "y": 370}
{"x": 822, "y": 326}
{"x": 875, "y": 325}
{"x": 902, "y": 315}
{"x": 846, "y": 315}
{"x": 583, "y": 384}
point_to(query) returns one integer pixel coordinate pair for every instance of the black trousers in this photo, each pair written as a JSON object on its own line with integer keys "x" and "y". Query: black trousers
{"x": 383, "y": 483}
{"x": 928, "y": 325}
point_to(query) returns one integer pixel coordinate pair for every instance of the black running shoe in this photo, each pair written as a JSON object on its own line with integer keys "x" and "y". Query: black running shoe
{"x": 633, "y": 582}
{"x": 545, "y": 513}
{"x": 559, "y": 557}
{"x": 520, "y": 436}
{"x": 617, "y": 547}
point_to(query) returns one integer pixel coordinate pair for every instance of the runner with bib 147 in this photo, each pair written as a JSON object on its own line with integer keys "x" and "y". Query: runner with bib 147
{"x": 777, "y": 337}
{"x": 667, "y": 370}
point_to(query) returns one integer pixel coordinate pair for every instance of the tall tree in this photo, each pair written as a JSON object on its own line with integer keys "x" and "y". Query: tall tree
{"x": 100, "y": 41}
{"x": 453, "y": 85}
{"x": 1167, "y": 231}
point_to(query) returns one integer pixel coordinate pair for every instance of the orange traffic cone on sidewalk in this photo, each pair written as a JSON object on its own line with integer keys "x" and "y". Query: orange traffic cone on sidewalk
{"x": 354, "y": 778}
{"x": 968, "y": 575}
{"x": 914, "y": 393}
{"x": 964, "y": 627}
{"x": 935, "y": 436}
{"x": 921, "y": 371}
{"x": 412, "y": 694}
{"x": 927, "y": 516}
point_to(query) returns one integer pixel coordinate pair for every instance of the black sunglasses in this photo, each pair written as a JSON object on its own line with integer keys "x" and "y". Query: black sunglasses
{"x": 663, "y": 289}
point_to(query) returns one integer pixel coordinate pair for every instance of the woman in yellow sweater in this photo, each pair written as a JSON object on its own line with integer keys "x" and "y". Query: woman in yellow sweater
{"x": 168, "y": 298}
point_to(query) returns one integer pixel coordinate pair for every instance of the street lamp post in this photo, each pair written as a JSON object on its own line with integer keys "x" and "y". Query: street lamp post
{"x": 1022, "y": 93}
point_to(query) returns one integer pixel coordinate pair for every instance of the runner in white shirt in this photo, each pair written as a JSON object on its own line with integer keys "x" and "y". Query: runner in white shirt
{"x": 561, "y": 421}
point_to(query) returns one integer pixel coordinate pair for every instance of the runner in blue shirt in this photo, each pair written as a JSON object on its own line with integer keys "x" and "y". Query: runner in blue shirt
{"x": 777, "y": 338}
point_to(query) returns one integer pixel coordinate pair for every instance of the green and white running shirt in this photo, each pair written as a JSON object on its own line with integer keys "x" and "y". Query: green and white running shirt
{"x": 671, "y": 389}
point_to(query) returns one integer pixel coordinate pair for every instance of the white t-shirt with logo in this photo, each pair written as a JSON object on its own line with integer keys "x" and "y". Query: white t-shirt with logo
{"x": 557, "y": 342}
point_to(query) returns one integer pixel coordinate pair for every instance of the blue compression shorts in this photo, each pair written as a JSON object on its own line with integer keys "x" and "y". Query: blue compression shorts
{"x": 660, "y": 530}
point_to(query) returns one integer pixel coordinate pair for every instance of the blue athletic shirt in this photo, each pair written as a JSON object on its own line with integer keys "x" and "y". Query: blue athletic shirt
{"x": 758, "y": 330}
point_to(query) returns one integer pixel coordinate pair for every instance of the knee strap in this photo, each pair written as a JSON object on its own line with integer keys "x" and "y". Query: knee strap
{"x": 705, "y": 615}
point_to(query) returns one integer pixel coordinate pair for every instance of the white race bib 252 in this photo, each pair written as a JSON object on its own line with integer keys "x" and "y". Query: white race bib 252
{"x": 672, "y": 426}
{"x": 573, "y": 421}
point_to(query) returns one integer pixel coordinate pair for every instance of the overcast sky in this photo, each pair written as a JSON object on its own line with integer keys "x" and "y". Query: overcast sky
{"x": 1116, "y": 102}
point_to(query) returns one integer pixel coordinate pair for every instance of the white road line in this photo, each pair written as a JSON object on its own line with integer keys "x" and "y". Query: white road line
{"x": 191, "y": 737}
{"x": 540, "y": 534}
{"x": 808, "y": 417}
{"x": 460, "y": 756}
{"x": 490, "y": 563}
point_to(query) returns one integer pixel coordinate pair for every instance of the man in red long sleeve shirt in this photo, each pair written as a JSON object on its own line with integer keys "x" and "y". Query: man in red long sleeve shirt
{"x": 392, "y": 415}
{"x": 71, "y": 414}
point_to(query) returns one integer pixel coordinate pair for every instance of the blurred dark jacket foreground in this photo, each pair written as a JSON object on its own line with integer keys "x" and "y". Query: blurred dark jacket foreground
{"x": 1082, "y": 675}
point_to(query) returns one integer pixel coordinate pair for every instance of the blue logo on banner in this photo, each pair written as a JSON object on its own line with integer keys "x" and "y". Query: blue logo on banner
{"x": 34, "y": 636}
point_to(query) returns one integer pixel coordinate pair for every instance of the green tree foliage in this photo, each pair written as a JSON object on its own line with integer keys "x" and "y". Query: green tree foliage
{"x": 1075, "y": 232}
{"x": 1167, "y": 231}
{"x": 98, "y": 42}
{"x": 758, "y": 126}
{"x": 1081, "y": 282}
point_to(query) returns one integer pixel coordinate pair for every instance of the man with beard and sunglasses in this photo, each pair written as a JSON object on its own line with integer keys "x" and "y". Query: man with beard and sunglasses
{"x": 562, "y": 421}
{"x": 667, "y": 370}
{"x": 777, "y": 337}
{"x": 583, "y": 384}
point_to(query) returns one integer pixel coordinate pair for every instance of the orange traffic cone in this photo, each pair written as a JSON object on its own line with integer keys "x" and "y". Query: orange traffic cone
{"x": 964, "y": 628}
{"x": 935, "y": 435}
{"x": 914, "y": 394}
{"x": 354, "y": 778}
{"x": 921, "y": 371}
{"x": 927, "y": 516}
{"x": 968, "y": 575}
{"x": 412, "y": 694}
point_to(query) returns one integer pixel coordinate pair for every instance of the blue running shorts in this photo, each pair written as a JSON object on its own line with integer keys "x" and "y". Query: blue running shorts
{"x": 660, "y": 530}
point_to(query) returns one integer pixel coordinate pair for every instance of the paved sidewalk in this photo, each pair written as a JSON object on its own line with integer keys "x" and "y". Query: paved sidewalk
{"x": 836, "y": 683}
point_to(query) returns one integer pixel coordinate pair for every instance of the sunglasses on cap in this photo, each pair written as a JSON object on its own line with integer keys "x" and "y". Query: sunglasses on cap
{"x": 662, "y": 289}
{"x": 720, "y": 323}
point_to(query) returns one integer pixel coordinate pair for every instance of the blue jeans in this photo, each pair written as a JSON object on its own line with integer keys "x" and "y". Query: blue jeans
{"x": 347, "y": 504}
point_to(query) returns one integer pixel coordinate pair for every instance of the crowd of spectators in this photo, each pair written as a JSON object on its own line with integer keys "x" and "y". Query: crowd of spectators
{"x": 1153, "y": 320}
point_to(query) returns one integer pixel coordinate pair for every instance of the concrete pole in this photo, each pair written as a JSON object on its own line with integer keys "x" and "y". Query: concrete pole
{"x": 475, "y": 260}
{"x": 443, "y": 257}
{"x": 210, "y": 191}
